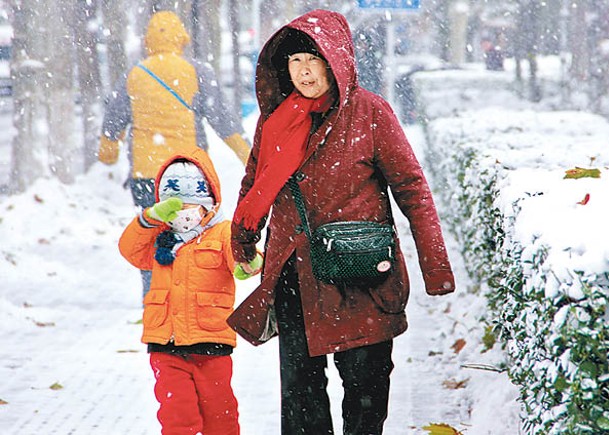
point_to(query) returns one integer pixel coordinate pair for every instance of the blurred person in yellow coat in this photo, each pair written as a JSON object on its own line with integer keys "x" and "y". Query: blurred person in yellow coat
{"x": 159, "y": 109}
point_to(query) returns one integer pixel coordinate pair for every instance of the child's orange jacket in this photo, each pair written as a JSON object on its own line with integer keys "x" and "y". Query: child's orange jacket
{"x": 190, "y": 299}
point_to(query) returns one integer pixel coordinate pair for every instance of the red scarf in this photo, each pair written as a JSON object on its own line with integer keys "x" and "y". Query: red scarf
{"x": 282, "y": 149}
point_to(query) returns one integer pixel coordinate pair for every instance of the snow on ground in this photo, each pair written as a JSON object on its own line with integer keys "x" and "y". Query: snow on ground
{"x": 71, "y": 360}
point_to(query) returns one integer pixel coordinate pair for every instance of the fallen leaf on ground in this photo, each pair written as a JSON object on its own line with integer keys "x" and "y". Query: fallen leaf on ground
{"x": 56, "y": 386}
{"x": 44, "y": 324}
{"x": 441, "y": 429}
{"x": 3, "y": 402}
{"x": 577, "y": 172}
{"x": 453, "y": 384}
{"x": 458, "y": 345}
{"x": 585, "y": 200}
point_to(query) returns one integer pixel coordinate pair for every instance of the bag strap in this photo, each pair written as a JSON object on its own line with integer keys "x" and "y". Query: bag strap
{"x": 166, "y": 86}
{"x": 297, "y": 194}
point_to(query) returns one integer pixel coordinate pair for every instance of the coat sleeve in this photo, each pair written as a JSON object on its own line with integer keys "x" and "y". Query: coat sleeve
{"x": 244, "y": 241}
{"x": 116, "y": 118}
{"x": 136, "y": 243}
{"x": 117, "y": 115}
{"x": 210, "y": 103}
{"x": 396, "y": 160}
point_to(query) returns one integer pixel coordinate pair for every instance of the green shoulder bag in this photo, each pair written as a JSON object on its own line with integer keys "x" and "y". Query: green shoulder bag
{"x": 347, "y": 251}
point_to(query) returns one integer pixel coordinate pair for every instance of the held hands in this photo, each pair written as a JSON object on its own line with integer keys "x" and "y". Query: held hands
{"x": 165, "y": 211}
{"x": 247, "y": 270}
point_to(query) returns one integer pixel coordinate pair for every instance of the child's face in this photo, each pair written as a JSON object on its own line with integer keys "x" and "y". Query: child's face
{"x": 188, "y": 217}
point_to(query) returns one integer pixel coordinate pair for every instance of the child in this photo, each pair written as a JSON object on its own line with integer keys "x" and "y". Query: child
{"x": 184, "y": 239}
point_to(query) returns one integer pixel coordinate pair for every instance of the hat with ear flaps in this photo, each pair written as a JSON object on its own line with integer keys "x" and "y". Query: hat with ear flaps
{"x": 184, "y": 180}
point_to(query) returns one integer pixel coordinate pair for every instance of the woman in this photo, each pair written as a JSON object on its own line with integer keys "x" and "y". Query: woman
{"x": 345, "y": 148}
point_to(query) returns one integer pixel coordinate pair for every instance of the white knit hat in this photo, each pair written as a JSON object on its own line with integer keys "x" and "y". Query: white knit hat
{"x": 184, "y": 180}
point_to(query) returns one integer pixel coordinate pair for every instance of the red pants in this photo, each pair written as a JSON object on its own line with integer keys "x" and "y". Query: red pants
{"x": 195, "y": 394}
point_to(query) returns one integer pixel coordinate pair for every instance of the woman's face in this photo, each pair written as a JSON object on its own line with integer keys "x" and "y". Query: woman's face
{"x": 309, "y": 74}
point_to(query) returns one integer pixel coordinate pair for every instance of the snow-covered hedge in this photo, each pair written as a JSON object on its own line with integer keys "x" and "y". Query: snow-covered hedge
{"x": 537, "y": 243}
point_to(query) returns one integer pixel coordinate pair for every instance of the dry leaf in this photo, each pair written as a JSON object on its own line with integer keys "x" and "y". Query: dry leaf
{"x": 582, "y": 173}
{"x": 44, "y": 324}
{"x": 3, "y": 402}
{"x": 458, "y": 345}
{"x": 453, "y": 384}
{"x": 38, "y": 198}
{"x": 56, "y": 386}
{"x": 585, "y": 200}
{"x": 441, "y": 429}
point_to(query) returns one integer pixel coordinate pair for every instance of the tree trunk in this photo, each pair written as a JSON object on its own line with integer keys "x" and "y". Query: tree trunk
{"x": 88, "y": 77}
{"x": 28, "y": 148}
{"x": 458, "y": 13}
{"x": 115, "y": 24}
{"x": 528, "y": 29}
{"x": 441, "y": 13}
{"x": 235, "y": 28}
{"x": 271, "y": 18}
{"x": 60, "y": 92}
{"x": 207, "y": 38}
{"x": 579, "y": 44}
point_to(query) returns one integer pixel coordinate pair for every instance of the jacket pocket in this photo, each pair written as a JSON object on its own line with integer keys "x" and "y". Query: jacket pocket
{"x": 392, "y": 298}
{"x": 155, "y": 308}
{"x": 213, "y": 309}
{"x": 208, "y": 254}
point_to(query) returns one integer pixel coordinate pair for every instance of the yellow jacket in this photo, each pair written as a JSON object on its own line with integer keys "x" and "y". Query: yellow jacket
{"x": 160, "y": 124}
{"x": 190, "y": 299}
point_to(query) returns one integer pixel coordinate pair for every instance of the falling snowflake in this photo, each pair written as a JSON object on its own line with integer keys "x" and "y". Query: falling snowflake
{"x": 158, "y": 139}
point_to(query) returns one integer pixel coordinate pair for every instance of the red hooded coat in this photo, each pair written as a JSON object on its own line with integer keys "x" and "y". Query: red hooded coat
{"x": 353, "y": 159}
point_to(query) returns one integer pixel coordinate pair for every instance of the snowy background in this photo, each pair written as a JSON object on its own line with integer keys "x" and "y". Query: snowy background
{"x": 72, "y": 362}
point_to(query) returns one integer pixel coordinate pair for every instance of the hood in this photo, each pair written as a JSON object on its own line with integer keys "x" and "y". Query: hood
{"x": 330, "y": 31}
{"x": 200, "y": 158}
{"x": 166, "y": 34}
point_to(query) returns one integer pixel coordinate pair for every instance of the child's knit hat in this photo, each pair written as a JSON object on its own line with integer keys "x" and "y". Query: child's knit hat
{"x": 183, "y": 179}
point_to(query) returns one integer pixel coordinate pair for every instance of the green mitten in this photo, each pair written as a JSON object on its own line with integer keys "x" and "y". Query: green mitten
{"x": 255, "y": 264}
{"x": 165, "y": 211}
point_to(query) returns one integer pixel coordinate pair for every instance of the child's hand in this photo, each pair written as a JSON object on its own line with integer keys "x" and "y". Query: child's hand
{"x": 247, "y": 270}
{"x": 165, "y": 211}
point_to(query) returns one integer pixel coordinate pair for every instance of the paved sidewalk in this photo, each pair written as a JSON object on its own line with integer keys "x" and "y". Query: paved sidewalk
{"x": 77, "y": 329}
{"x": 106, "y": 383}
{"x": 95, "y": 355}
